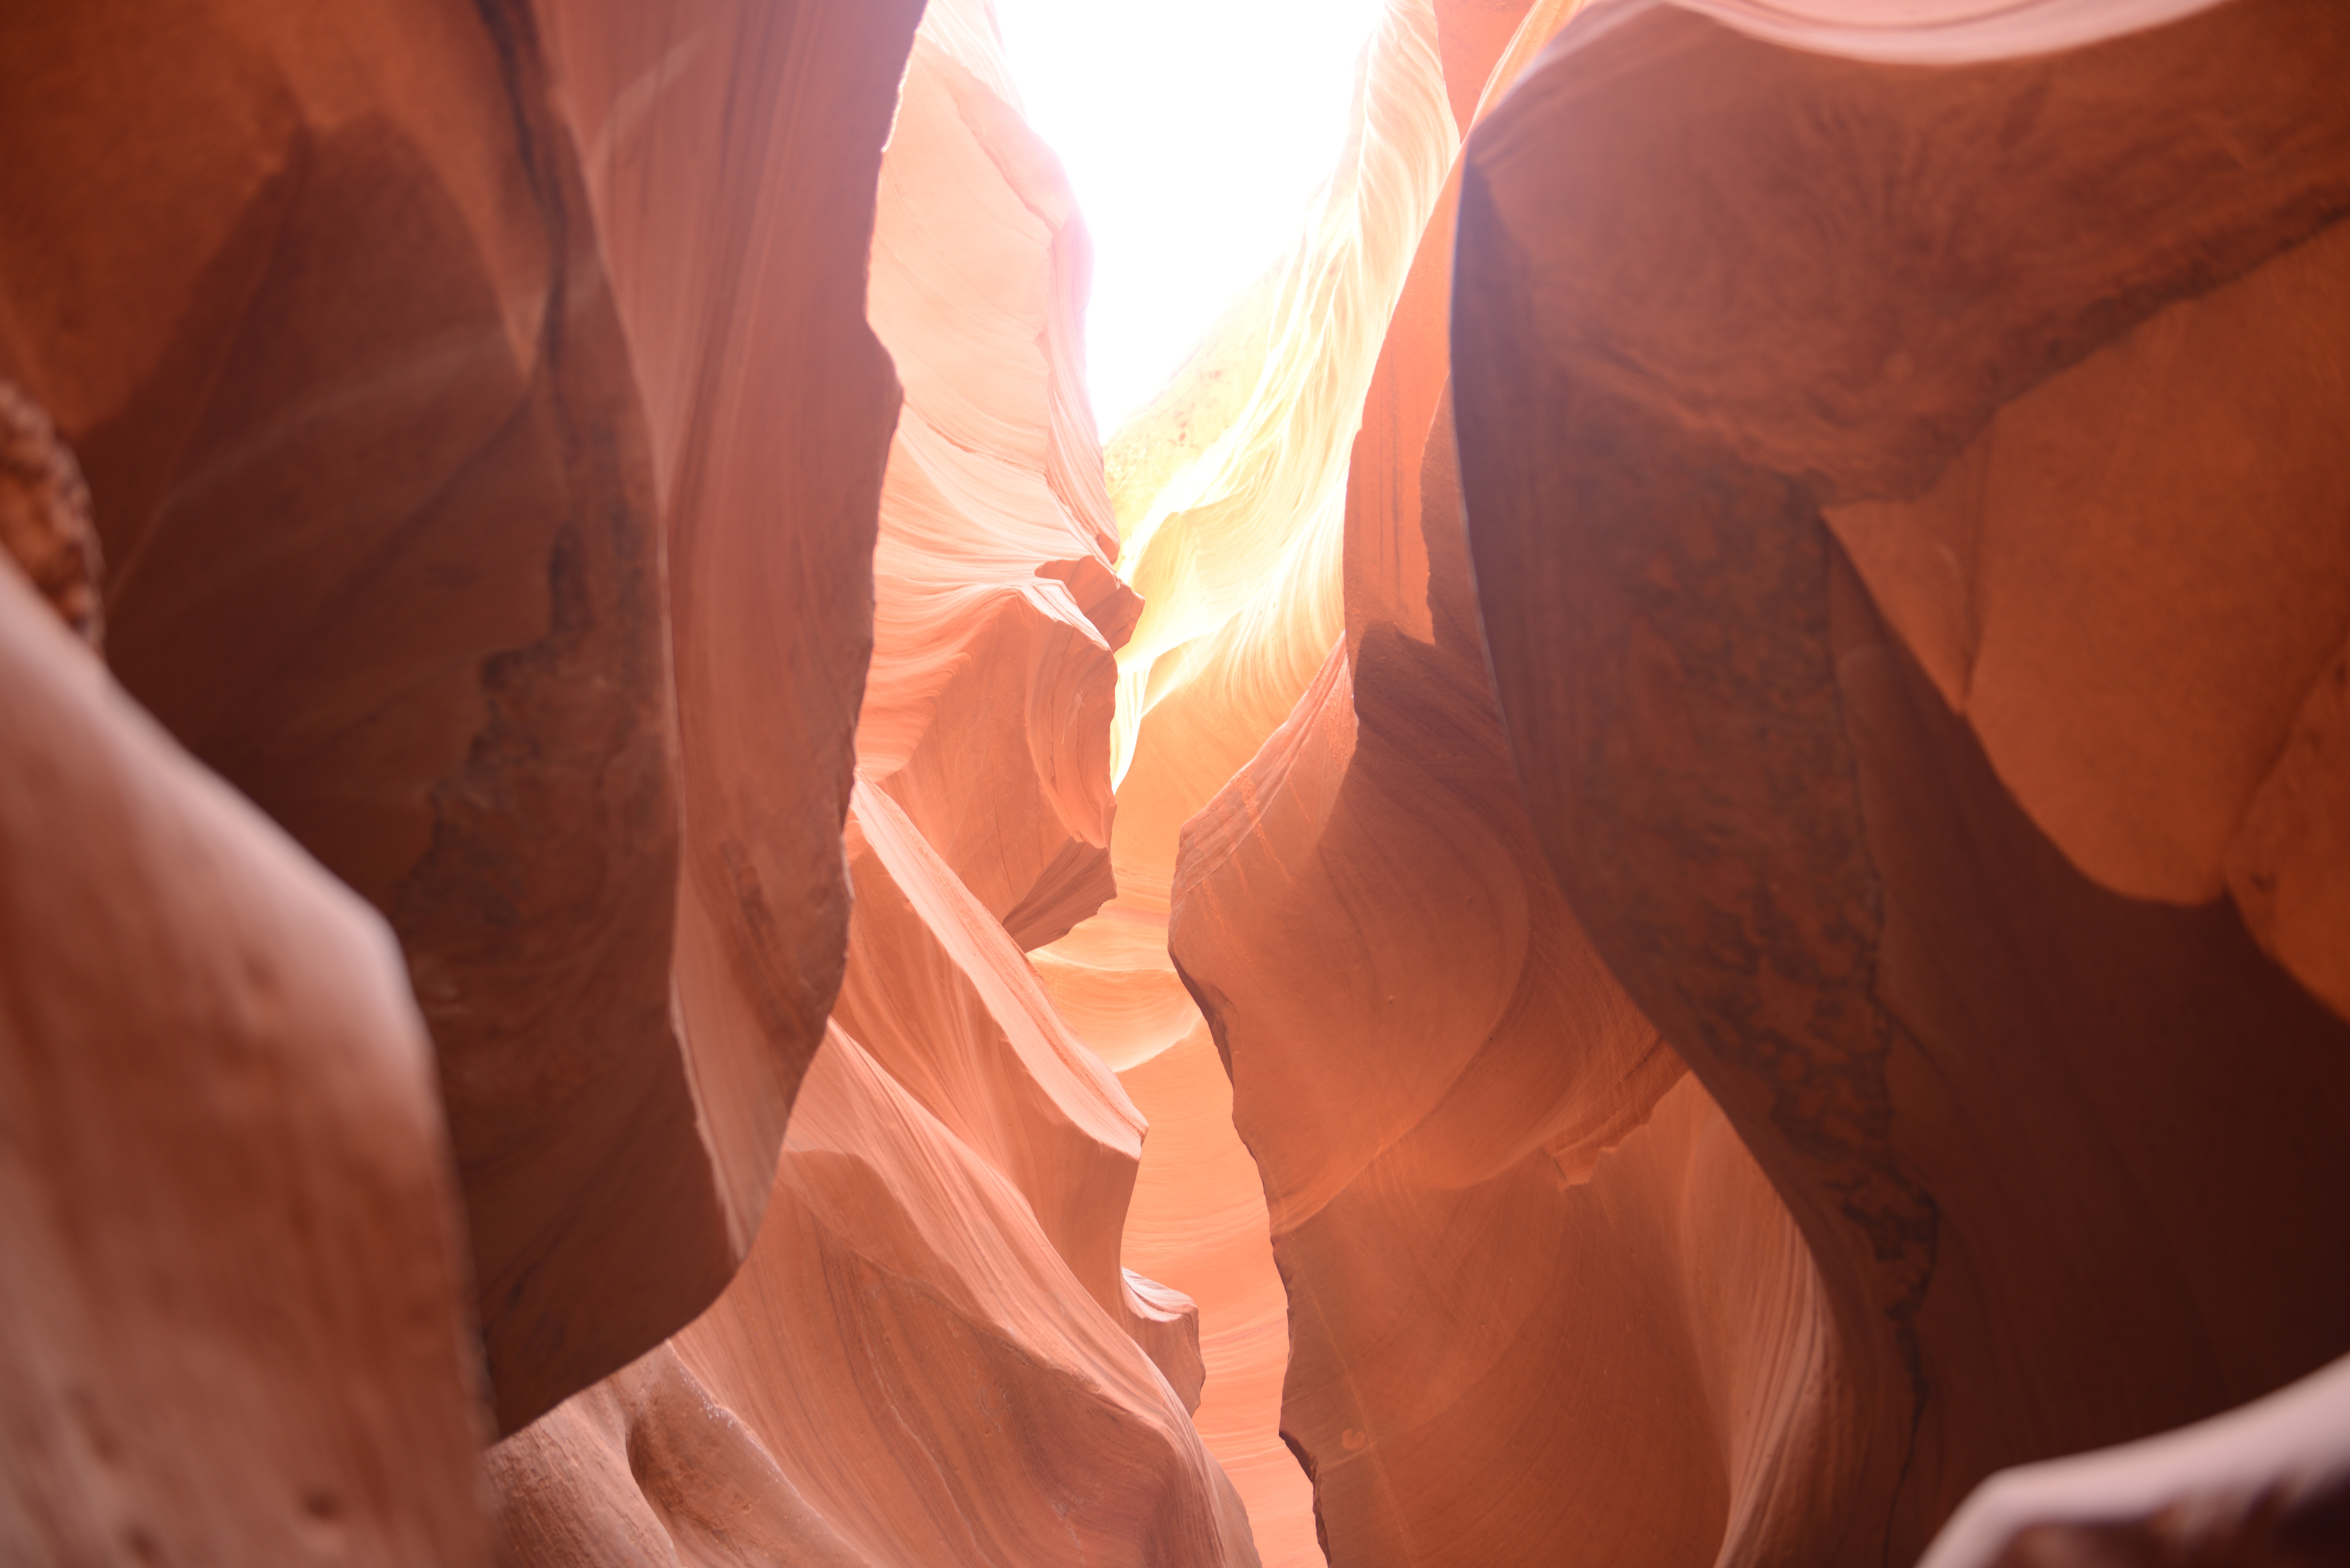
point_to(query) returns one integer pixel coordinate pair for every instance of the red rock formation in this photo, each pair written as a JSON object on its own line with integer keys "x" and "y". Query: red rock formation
{"x": 1917, "y": 877}
{"x": 1230, "y": 499}
{"x": 386, "y": 411}
{"x": 1852, "y": 997}
{"x": 933, "y": 1353}
{"x": 729, "y": 150}
{"x": 229, "y": 1327}
{"x": 1458, "y": 1349}
{"x": 1198, "y": 1216}
{"x": 1367, "y": 920}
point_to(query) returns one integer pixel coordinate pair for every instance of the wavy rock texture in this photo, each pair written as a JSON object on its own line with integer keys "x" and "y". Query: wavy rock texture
{"x": 993, "y": 586}
{"x": 229, "y": 1318}
{"x": 1530, "y": 1267}
{"x": 383, "y": 409}
{"x": 1850, "y": 999}
{"x": 729, "y": 152}
{"x": 933, "y": 1353}
{"x": 1230, "y": 492}
{"x": 1889, "y": 714}
{"x": 362, "y": 468}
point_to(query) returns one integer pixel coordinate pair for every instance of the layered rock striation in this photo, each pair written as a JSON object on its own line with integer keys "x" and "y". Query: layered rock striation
{"x": 1230, "y": 494}
{"x": 1657, "y": 874}
{"x": 1836, "y": 563}
{"x": 1511, "y": 1220}
{"x": 934, "y": 1352}
{"x": 995, "y": 593}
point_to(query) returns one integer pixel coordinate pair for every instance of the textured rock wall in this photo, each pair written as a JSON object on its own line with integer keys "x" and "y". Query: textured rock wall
{"x": 1916, "y": 959}
{"x": 1888, "y": 696}
{"x": 1230, "y": 494}
{"x": 1366, "y": 918}
{"x": 1756, "y": 890}
{"x": 933, "y": 1353}
{"x": 994, "y": 588}
{"x": 399, "y": 348}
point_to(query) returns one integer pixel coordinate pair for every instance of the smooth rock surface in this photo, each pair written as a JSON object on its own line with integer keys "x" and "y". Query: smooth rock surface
{"x": 2267, "y": 1486}
{"x": 1511, "y": 1234}
{"x": 1528, "y": 1264}
{"x": 231, "y": 1324}
{"x": 382, "y": 550}
{"x": 1229, "y": 492}
{"x": 729, "y": 152}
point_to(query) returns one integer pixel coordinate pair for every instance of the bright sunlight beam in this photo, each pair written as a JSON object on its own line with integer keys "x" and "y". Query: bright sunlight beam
{"x": 1194, "y": 132}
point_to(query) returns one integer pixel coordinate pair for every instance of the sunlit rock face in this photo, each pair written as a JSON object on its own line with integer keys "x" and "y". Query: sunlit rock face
{"x": 987, "y": 714}
{"x": 931, "y": 1355}
{"x": 1657, "y": 891}
{"x": 1230, "y": 495}
{"x": 730, "y": 151}
{"x": 1953, "y": 789}
{"x": 1367, "y": 919}
{"x": 934, "y": 1353}
{"x": 399, "y": 352}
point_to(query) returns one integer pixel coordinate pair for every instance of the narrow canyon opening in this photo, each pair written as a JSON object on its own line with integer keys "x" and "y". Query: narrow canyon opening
{"x": 1402, "y": 783}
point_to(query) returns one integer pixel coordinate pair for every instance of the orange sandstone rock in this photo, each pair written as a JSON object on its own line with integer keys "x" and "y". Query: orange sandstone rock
{"x": 730, "y": 151}
{"x": 943, "y": 1002}
{"x": 1198, "y": 1215}
{"x": 988, "y": 713}
{"x": 1367, "y": 920}
{"x": 932, "y": 1354}
{"x": 1530, "y": 1268}
{"x": 399, "y": 348}
{"x": 1230, "y": 494}
{"x": 1773, "y": 428}
{"x": 230, "y": 1312}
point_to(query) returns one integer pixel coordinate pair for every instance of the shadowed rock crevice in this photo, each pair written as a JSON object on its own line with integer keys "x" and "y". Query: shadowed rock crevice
{"x": 2030, "y": 1127}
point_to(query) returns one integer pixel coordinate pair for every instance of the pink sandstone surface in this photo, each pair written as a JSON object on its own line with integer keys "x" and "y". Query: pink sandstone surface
{"x": 934, "y": 1352}
{"x": 1657, "y": 874}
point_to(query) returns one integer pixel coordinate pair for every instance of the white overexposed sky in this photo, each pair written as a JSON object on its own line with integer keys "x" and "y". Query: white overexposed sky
{"x": 1194, "y": 132}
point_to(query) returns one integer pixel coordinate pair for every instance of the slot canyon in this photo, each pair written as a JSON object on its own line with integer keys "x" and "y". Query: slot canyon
{"x": 1656, "y": 873}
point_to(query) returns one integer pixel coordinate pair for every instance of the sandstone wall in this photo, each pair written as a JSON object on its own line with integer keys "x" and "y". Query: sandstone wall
{"x": 1892, "y": 693}
{"x": 427, "y": 370}
{"x": 934, "y": 1352}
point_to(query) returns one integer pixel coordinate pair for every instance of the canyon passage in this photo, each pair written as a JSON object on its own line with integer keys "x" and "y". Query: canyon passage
{"x": 1651, "y": 871}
